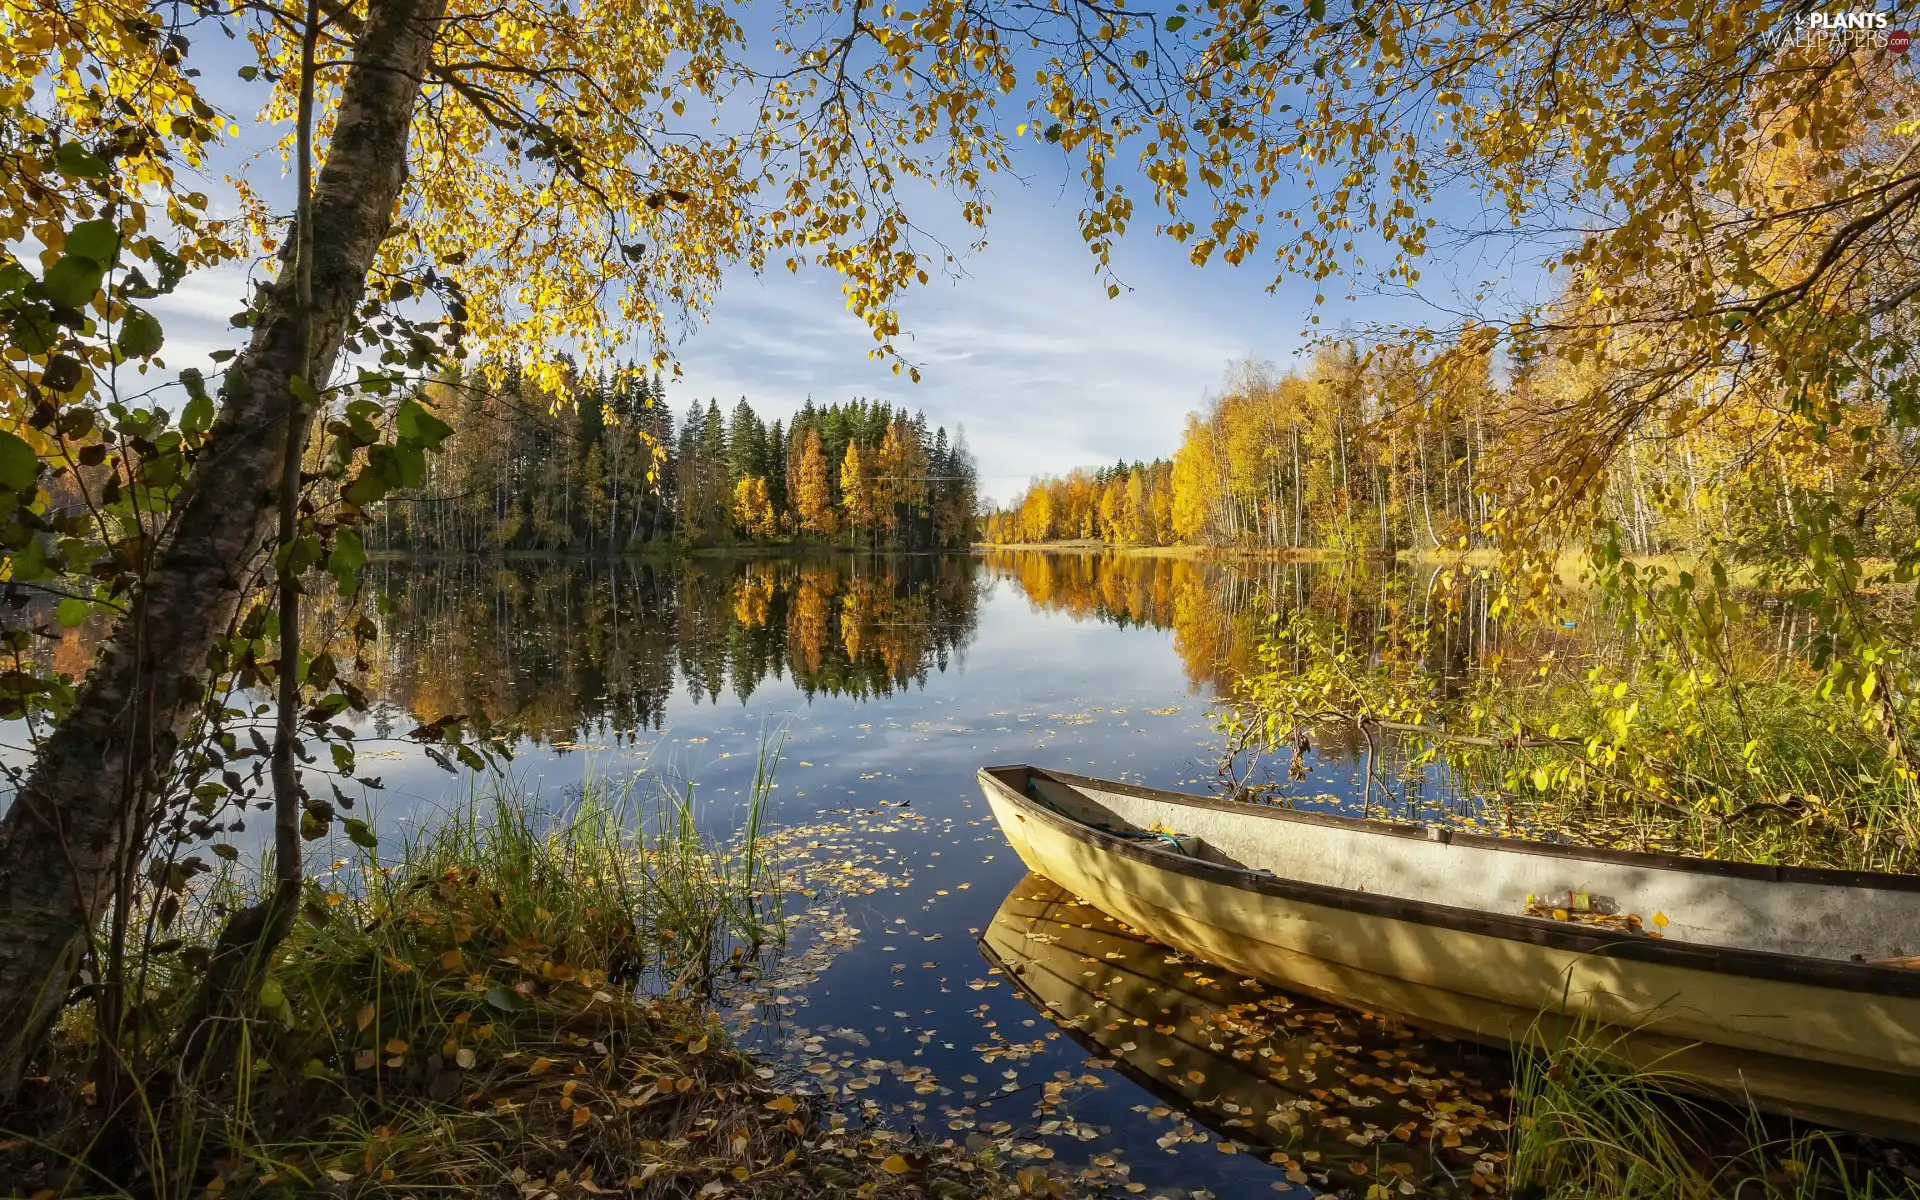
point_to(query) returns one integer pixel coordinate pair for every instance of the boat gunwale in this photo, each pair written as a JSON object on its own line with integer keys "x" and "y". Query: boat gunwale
{"x": 1773, "y": 965}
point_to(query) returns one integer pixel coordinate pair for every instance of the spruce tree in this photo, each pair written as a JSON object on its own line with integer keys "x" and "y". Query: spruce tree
{"x": 746, "y": 445}
{"x": 776, "y": 468}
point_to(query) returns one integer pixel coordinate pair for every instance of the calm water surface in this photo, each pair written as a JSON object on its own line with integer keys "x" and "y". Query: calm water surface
{"x": 930, "y": 981}
{"x": 1066, "y": 1040}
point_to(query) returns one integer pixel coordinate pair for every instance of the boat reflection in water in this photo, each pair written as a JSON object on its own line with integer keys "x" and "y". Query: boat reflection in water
{"x": 1334, "y": 1096}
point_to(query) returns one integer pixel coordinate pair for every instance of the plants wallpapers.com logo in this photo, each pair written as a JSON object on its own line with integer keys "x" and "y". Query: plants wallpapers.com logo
{"x": 1843, "y": 29}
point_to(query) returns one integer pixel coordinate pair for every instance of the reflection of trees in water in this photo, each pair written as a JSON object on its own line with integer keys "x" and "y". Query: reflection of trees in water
{"x": 1217, "y": 611}
{"x": 596, "y": 647}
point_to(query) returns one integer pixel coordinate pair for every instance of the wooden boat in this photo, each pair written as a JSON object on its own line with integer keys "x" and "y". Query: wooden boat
{"x": 1268, "y": 1071}
{"x": 1754, "y": 982}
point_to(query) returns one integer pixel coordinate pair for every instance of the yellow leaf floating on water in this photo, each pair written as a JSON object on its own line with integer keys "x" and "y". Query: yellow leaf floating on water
{"x": 1660, "y": 919}
{"x": 782, "y": 1104}
{"x": 896, "y": 1164}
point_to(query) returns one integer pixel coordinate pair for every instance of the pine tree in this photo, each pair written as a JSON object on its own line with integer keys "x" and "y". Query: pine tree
{"x": 776, "y": 467}
{"x": 746, "y": 444}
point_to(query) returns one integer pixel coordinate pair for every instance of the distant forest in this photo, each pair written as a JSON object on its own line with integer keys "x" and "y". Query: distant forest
{"x": 1403, "y": 451}
{"x": 1306, "y": 459}
{"x": 613, "y": 471}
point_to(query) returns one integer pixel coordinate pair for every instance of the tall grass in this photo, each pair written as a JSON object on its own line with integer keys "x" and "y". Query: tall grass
{"x": 408, "y": 1020}
{"x": 700, "y": 903}
{"x": 1586, "y": 1126}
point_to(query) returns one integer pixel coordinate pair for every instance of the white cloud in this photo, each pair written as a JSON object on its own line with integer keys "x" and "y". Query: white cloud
{"x": 1025, "y": 350}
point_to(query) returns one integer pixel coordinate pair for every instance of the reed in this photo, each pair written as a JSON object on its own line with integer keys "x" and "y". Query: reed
{"x": 507, "y": 1001}
{"x": 1587, "y": 1125}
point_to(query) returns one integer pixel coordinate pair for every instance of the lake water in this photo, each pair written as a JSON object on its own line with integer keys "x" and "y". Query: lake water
{"x": 930, "y": 982}
{"x": 888, "y": 683}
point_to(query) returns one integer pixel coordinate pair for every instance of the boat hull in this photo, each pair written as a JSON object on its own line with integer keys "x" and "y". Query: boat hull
{"x": 1827, "y": 1055}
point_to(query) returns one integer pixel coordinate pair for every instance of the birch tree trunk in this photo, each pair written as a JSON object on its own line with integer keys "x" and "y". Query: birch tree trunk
{"x": 88, "y": 798}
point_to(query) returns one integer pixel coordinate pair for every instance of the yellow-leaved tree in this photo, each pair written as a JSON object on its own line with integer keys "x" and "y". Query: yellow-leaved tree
{"x": 812, "y": 493}
{"x": 859, "y": 499}
{"x": 538, "y": 173}
{"x": 752, "y": 511}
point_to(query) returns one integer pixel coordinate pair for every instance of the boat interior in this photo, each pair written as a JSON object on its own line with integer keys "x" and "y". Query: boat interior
{"x": 1857, "y": 917}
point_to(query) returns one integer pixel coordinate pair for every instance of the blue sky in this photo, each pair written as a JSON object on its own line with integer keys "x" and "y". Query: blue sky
{"x": 1024, "y": 349}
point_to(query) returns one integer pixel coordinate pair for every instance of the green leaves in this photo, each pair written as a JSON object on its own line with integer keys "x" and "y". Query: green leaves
{"x": 197, "y": 416}
{"x": 91, "y": 248}
{"x": 81, "y": 163}
{"x": 31, "y": 328}
{"x": 366, "y": 489}
{"x": 401, "y": 463}
{"x": 71, "y": 612}
{"x": 299, "y": 555}
{"x": 348, "y": 556}
{"x": 72, "y": 282}
{"x": 19, "y": 465}
{"x": 140, "y": 335}
{"x": 415, "y": 424}
{"x": 505, "y": 999}
{"x": 359, "y": 833}
{"x": 98, "y": 240}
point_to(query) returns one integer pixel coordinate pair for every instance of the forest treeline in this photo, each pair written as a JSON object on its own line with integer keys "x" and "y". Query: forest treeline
{"x": 613, "y": 470}
{"x": 1294, "y": 459}
{"x": 1391, "y": 451}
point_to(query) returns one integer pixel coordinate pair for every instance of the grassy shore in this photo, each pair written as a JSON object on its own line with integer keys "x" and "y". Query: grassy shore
{"x": 508, "y": 1004}
{"x": 1571, "y": 568}
{"x": 1183, "y": 551}
{"x": 1246, "y": 553}
{"x": 1586, "y": 1128}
